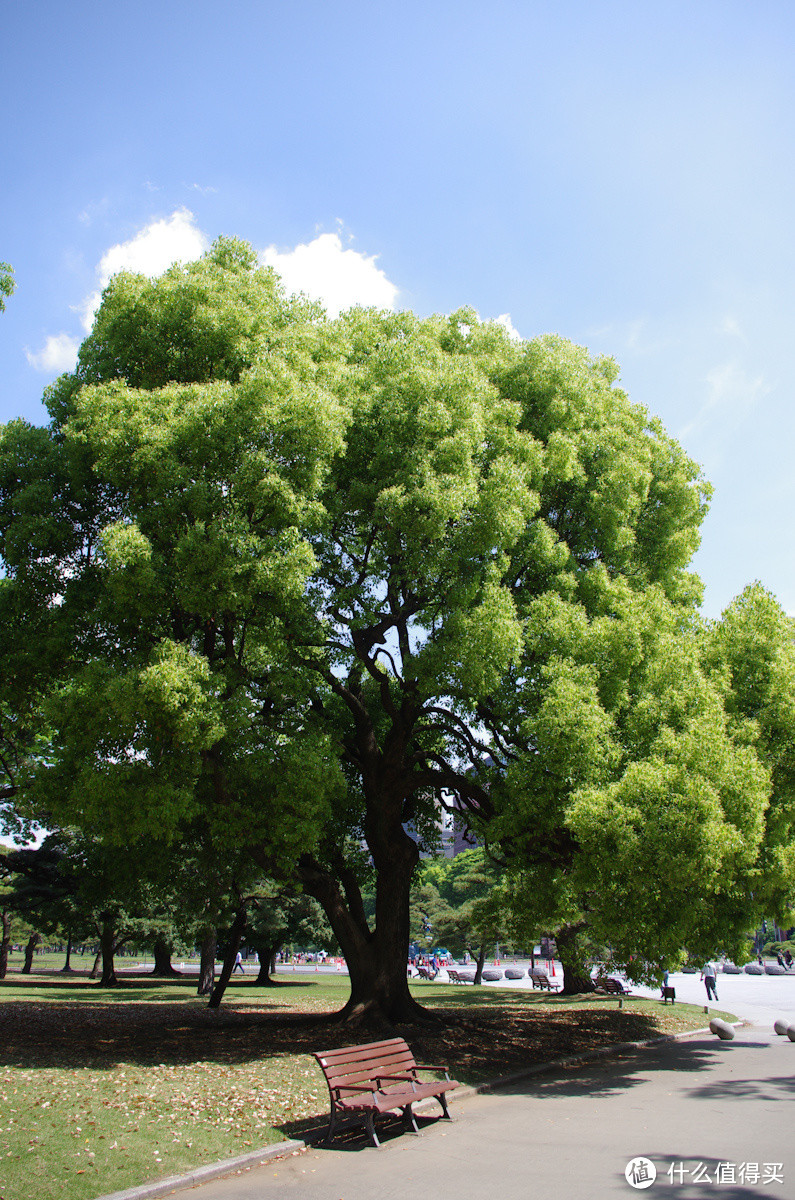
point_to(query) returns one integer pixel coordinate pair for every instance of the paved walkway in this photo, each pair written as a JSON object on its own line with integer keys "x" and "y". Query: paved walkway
{"x": 715, "y": 1118}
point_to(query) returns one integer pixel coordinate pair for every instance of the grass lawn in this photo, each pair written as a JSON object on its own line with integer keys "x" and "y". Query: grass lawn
{"x": 103, "y": 1089}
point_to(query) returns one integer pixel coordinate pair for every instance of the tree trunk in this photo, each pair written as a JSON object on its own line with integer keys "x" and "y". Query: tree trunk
{"x": 235, "y": 938}
{"x": 479, "y": 968}
{"x": 163, "y": 968}
{"x": 209, "y": 946}
{"x": 107, "y": 950}
{"x": 33, "y": 942}
{"x": 376, "y": 958}
{"x": 5, "y": 942}
{"x": 267, "y": 966}
{"x": 66, "y": 969}
{"x": 576, "y": 976}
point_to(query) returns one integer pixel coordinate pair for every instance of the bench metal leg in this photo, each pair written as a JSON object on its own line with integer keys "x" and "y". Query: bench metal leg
{"x": 408, "y": 1115}
{"x": 369, "y": 1120}
{"x": 332, "y": 1122}
{"x": 442, "y": 1098}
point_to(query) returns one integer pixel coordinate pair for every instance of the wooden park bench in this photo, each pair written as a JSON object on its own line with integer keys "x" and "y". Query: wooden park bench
{"x": 378, "y": 1077}
{"x": 613, "y": 987}
{"x": 426, "y": 973}
{"x": 540, "y": 979}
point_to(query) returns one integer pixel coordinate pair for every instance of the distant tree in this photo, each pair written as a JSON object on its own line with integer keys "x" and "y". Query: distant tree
{"x": 278, "y": 919}
{"x": 464, "y": 898}
{"x": 45, "y": 893}
{"x": 6, "y": 913}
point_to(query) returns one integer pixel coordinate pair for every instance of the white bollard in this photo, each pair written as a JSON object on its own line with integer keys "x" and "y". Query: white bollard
{"x": 724, "y": 1031}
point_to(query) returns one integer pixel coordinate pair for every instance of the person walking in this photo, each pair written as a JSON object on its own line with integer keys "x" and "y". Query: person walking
{"x": 710, "y": 976}
{"x": 238, "y": 964}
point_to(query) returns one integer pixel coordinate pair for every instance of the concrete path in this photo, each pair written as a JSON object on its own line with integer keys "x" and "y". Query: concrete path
{"x": 714, "y": 1118}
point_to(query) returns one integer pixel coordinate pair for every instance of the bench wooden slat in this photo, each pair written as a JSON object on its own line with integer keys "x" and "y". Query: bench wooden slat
{"x": 353, "y": 1070}
{"x": 340, "y": 1063}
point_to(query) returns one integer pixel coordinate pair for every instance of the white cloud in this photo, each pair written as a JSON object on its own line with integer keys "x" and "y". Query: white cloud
{"x": 731, "y": 326}
{"x": 159, "y": 244}
{"x": 732, "y": 393}
{"x": 154, "y": 248}
{"x": 339, "y": 278}
{"x": 505, "y": 320}
{"x": 58, "y": 354}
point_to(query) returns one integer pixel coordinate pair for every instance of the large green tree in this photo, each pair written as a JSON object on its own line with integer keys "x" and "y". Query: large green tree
{"x": 300, "y": 582}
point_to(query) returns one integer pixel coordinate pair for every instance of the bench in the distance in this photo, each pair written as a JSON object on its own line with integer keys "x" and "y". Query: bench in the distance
{"x": 540, "y": 979}
{"x": 378, "y": 1077}
{"x": 613, "y": 987}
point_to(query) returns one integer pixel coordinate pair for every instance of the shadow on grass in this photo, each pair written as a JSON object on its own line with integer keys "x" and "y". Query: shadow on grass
{"x": 145, "y": 986}
{"x": 145, "y": 1021}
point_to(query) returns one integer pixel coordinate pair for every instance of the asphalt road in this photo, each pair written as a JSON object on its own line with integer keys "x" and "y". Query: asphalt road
{"x": 714, "y": 1119}
{"x": 760, "y": 999}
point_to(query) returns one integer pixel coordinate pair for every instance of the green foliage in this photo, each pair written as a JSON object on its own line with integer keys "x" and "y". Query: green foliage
{"x": 7, "y": 283}
{"x": 281, "y": 920}
{"x": 641, "y": 804}
{"x": 464, "y": 900}
{"x": 751, "y": 653}
{"x": 294, "y": 582}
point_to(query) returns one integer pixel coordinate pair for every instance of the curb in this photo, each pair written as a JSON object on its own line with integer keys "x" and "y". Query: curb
{"x": 165, "y": 1187}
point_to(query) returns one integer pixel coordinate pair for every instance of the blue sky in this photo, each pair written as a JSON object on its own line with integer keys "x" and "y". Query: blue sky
{"x": 619, "y": 173}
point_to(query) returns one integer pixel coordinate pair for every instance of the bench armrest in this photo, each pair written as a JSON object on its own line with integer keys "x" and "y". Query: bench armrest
{"x": 363, "y": 1087}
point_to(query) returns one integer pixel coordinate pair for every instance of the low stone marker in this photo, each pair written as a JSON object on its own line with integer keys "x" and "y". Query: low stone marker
{"x": 724, "y": 1031}
{"x": 780, "y": 1026}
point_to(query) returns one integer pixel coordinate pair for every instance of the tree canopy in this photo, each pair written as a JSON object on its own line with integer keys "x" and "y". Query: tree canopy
{"x": 294, "y": 583}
